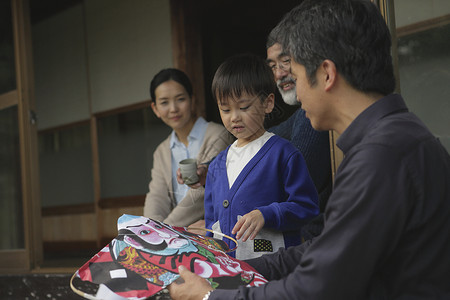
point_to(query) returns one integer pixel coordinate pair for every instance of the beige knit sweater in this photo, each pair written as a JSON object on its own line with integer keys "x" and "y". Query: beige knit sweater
{"x": 160, "y": 202}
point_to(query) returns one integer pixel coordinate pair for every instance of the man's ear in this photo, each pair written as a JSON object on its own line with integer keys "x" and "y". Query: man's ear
{"x": 330, "y": 73}
{"x": 269, "y": 103}
{"x": 155, "y": 110}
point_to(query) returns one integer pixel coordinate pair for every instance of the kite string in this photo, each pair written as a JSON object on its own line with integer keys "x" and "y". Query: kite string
{"x": 218, "y": 233}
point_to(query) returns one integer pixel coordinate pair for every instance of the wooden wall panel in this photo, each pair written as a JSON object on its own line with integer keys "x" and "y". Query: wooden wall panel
{"x": 110, "y": 216}
{"x": 78, "y": 227}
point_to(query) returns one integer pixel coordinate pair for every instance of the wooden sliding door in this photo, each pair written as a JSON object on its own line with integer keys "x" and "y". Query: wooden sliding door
{"x": 20, "y": 245}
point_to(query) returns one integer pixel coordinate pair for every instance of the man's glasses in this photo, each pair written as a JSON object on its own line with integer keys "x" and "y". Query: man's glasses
{"x": 284, "y": 64}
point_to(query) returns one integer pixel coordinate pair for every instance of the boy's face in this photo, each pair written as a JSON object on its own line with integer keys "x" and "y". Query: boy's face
{"x": 244, "y": 117}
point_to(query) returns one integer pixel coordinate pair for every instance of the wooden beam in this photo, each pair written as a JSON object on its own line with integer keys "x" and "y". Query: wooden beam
{"x": 9, "y": 99}
{"x": 187, "y": 47}
{"x": 121, "y": 202}
{"x": 68, "y": 209}
{"x": 27, "y": 132}
{"x": 423, "y": 25}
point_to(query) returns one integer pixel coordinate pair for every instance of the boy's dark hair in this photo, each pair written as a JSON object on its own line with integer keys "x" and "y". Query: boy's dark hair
{"x": 243, "y": 73}
{"x": 167, "y": 75}
{"x": 351, "y": 33}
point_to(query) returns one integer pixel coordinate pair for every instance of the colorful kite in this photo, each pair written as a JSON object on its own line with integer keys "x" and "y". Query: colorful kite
{"x": 144, "y": 258}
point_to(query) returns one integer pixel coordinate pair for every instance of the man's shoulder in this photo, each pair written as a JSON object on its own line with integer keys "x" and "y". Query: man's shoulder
{"x": 304, "y": 134}
{"x": 400, "y": 131}
{"x": 284, "y": 129}
{"x": 301, "y": 122}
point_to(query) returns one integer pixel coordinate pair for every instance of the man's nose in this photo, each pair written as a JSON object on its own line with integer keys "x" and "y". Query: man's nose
{"x": 280, "y": 73}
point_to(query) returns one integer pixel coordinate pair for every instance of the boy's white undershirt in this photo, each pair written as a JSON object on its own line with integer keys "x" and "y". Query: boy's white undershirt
{"x": 238, "y": 157}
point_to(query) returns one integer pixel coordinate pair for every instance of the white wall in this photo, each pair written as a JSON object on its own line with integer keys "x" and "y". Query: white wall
{"x": 125, "y": 44}
{"x": 61, "y": 87}
{"x": 128, "y": 43}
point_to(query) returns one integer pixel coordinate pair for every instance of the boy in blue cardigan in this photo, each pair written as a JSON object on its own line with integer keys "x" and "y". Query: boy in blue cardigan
{"x": 258, "y": 190}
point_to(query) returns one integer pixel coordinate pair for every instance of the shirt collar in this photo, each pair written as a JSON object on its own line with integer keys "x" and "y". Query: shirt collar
{"x": 196, "y": 133}
{"x": 356, "y": 131}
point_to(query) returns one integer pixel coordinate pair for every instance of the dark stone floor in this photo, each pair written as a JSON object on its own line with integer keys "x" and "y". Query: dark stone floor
{"x": 45, "y": 287}
{"x": 51, "y": 286}
{"x": 37, "y": 286}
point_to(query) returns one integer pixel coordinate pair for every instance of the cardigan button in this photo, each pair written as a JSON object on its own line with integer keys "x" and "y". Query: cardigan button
{"x": 226, "y": 203}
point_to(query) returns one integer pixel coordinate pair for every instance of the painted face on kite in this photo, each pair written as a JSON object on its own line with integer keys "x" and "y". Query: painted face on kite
{"x": 156, "y": 234}
{"x": 156, "y": 238}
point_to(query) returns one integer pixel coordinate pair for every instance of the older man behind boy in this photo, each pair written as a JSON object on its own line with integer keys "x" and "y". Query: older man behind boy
{"x": 314, "y": 145}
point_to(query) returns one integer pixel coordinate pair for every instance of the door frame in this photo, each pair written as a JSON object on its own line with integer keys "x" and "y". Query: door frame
{"x": 22, "y": 260}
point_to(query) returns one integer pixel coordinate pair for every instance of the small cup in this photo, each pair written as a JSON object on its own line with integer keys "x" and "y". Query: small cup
{"x": 188, "y": 168}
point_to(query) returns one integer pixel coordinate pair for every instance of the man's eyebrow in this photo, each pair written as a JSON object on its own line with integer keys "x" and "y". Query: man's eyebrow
{"x": 283, "y": 54}
{"x": 268, "y": 60}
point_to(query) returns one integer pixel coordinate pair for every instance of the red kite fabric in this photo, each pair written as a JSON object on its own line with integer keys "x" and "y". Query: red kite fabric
{"x": 144, "y": 258}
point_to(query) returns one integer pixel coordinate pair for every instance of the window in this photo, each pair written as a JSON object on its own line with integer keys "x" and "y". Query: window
{"x": 65, "y": 159}
{"x": 127, "y": 141}
{"x": 424, "y": 62}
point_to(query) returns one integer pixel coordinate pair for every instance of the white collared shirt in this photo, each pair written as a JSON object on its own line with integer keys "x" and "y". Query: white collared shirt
{"x": 180, "y": 151}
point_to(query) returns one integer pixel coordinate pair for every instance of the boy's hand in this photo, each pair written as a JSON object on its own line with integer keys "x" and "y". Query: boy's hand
{"x": 194, "y": 286}
{"x": 202, "y": 170}
{"x": 249, "y": 225}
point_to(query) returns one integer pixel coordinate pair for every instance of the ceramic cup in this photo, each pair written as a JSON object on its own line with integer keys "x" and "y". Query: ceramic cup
{"x": 188, "y": 168}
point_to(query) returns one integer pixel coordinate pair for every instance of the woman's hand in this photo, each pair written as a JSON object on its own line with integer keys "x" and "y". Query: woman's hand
{"x": 249, "y": 225}
{"x": 197, "y": 225}
{"x": 202, "y": 170}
